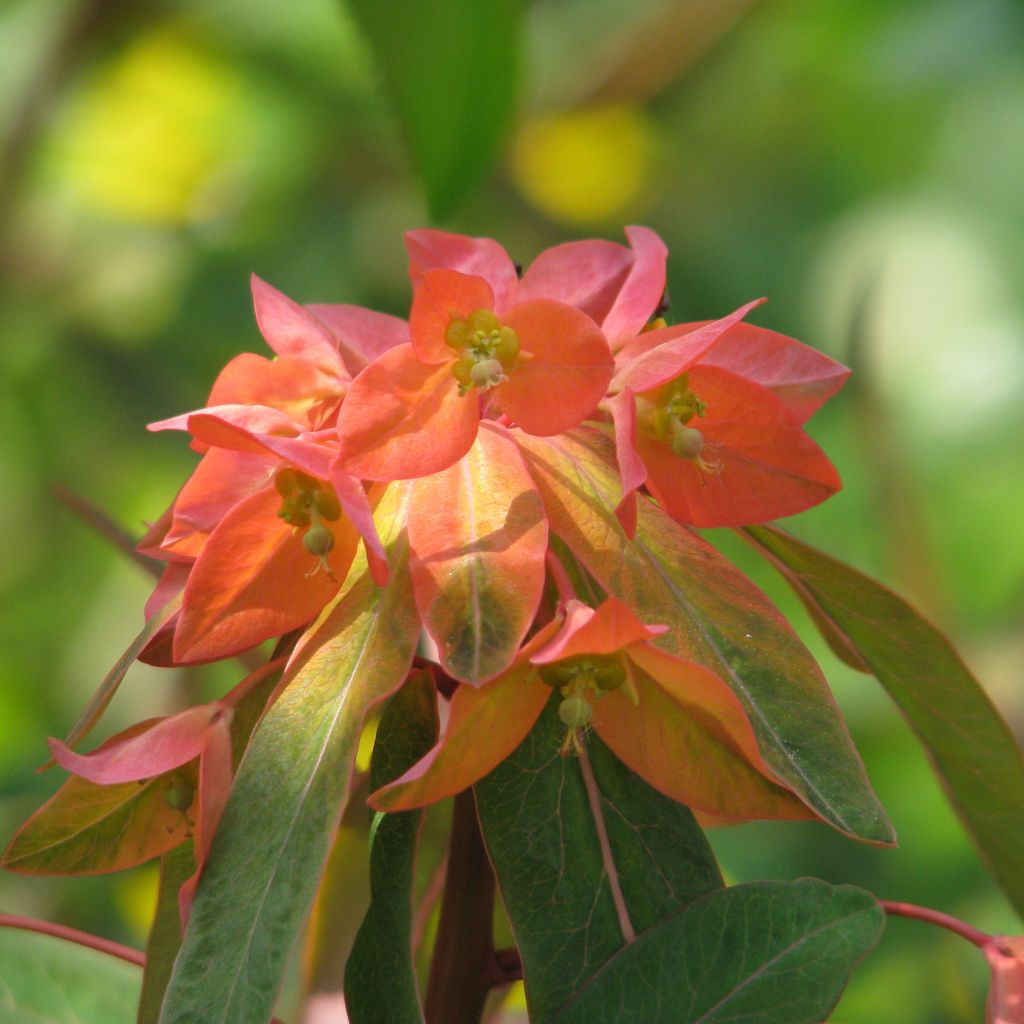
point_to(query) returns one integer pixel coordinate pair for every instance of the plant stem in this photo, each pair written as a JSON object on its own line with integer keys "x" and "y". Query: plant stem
{"x": 464, "y": 949}
{"x": 936, "y": 917}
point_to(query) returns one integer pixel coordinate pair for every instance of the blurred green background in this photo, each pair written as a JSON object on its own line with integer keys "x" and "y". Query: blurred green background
{"x": 858, "y": 163}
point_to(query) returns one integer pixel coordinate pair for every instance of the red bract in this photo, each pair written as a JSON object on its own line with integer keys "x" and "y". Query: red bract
{"x": 618, "y": 288}
{"x": 676, "y": 724}
{"x": 709, "y": 416}
{"x": 257, "y": 536}
{"x": 415, "y": 410}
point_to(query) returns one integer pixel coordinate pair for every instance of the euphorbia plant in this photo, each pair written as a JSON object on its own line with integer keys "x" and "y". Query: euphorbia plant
{"x": 474, "y": 533}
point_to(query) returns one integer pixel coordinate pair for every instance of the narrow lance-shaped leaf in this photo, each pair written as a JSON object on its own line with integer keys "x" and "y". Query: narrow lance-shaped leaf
{"x": 976, "y": 756}
{"x": 105, "y": 691}
{"x": 451, "y": 69}
{"x": 165, "y": 933}
{"x": 268, "y": 853}
{"x": 763, "y": 953}
{"x": 585, "y": 865}
{"x": 717, "y": 618}
{"x": 478, "y": 534}
{"x": 380, "y": 979}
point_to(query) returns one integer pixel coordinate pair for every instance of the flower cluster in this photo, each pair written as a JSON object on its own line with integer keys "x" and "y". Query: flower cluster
{"x": 452, "y": 407}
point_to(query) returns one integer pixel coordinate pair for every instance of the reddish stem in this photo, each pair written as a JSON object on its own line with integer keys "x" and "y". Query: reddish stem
{"x": 464, "y": 948}
{"x": 60, "y": 931}
{"x": 560, "y": 578}
{"x": 936, "y": 917}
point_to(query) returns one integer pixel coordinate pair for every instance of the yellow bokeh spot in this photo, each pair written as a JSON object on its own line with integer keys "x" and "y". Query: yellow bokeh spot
{"x": 153, "y": 129}
{"x": 366, "y": 740}
{"x": 585, "y": 166}
{"x": 135, "y": 896}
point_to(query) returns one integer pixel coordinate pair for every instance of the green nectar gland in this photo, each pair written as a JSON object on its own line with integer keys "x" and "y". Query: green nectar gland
{"x": 306, "y": 502}
{"x": 488, "y": 351}
{"x": 599, "y": 673}
{"x": 664, "y": 414}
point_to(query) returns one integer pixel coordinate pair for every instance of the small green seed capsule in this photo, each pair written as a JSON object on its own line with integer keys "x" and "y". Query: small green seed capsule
{"x": 575, "y": 712}
{"x": 687, "y": 442}
{"x": 487, "y": 373}
{"x": 610, "y": 674}
{"x": 179, "y": 795}
{"x": 318, "y": 540}
{"x": 326, "y": 503}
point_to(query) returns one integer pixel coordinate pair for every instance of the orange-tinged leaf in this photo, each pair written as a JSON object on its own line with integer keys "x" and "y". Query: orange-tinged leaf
{"x": 485, "y": 724}
{"x": 717, "y": 618}
{"x": 602, "y": 630}
{"x": 442, "y": 296}
{"x": 685, "y": 739}
{"x": 478, "y": 536}
{"x": 251, "y": 581}
{"x": 89, "y": 829}
{"x": 403, "y": 418}
{"x": 563, "y": 369}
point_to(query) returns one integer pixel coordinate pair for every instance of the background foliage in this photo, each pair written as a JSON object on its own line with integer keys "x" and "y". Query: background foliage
{"x": 857, "y": 163}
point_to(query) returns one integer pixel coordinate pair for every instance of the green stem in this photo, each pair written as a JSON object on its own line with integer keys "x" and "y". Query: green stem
{"x": 464, "y": 950}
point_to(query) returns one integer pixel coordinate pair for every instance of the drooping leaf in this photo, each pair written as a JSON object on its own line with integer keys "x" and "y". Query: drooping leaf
{"x": 86, "y": 828}
{"x": 478, "y": 534}
{"x": 89, "y": 829}
{"x": 763, "y": 953}
{"x": 450, "y": 68}
{"x": 48, "y": 980}
{"x": 976, "y": 756}
{"x": 380, "y": 978}
{"x": 165, "y": 933}
{"x": 560, "y": 880}
{"x": 268, "y": 852}
{"x": 717, "y": 618}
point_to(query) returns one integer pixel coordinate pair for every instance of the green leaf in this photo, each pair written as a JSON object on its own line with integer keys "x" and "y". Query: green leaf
{"x": 89, "y": 829}
{"x": 764, "y": 953}
{"x": 557, "y": 876}
{"x": 48, "y": 980}
{"x": 718, "y": 618}
{"x": 269, "y": 850}
{"x": 451, "y": 69}
{"x": 975, "y": 754}
{"x": 165, "y": 933}
{"x": 380, "y": 977}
